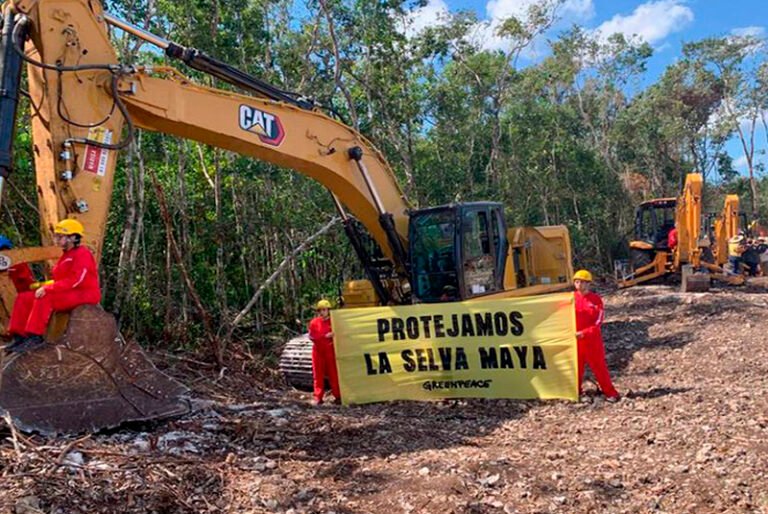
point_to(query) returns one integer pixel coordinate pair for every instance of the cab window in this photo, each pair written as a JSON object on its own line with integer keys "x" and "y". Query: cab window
{"x": 646, "y": 224}
{"x": 479, "y": 264}
{"x": 433, "y": 256}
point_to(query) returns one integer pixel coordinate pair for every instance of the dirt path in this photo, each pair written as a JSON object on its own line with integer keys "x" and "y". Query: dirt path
{"x": 691, "y": 435}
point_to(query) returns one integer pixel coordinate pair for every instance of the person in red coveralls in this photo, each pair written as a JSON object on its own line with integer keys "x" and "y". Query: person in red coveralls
{"x": 323, "y": 355}
{"x": 672, "y": 239}
{"x": 589, "y": 318}
{"x": 20, "y": 274}
{"x": 75, "y": 282}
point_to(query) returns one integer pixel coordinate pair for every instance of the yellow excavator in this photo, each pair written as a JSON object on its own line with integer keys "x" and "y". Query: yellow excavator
{"x": 723, "y": 226}
{"x": 86, "y": 106}
{"x": 700, "y": 251}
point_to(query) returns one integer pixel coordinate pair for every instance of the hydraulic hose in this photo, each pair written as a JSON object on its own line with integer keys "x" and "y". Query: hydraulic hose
{"x": 18, "y": 37}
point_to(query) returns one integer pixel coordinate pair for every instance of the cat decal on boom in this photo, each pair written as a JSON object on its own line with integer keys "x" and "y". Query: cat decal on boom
{"x": 267, "y": 126}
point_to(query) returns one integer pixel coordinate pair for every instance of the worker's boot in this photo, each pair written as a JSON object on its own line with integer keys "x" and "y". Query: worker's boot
{"x": 17, "y": 340}
{"x": 30, "y": 343}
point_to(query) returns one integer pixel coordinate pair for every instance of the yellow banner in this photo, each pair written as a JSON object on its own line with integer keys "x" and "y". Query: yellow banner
{"x": 513, "y": 348}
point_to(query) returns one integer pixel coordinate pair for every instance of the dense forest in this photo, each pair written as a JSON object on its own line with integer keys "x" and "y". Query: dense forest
{"x": 576, "y": 136}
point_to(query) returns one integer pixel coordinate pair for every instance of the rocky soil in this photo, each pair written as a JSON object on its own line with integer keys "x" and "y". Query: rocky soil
{"x": 690, "y": 435}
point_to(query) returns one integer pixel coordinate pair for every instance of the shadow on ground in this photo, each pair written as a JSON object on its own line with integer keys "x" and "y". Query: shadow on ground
{"x": 658, "y": 392}
{"x": 625, "y": 338}
{"x": 383, "y": 430}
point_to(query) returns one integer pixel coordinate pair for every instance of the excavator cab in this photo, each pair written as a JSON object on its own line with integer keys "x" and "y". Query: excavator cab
{"x": 457, "y": 251}
{"x": 654, "y": 220}
{"x": 649, "y": 251}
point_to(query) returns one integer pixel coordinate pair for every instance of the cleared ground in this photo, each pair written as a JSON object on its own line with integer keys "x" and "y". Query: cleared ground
{"x": 690, "y": 435}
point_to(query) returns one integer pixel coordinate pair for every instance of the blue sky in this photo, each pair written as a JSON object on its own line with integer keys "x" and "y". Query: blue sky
{"x": 665, "y": 24}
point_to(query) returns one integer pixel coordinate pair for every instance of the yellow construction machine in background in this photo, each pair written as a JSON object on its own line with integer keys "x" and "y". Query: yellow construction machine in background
{"x": 701, "y": 249}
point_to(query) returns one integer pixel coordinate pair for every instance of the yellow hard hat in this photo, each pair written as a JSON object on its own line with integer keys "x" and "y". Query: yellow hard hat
{"x": 323, "y": 304}
{"x": 583, "y": 274}
{"x": 69, "y": 227}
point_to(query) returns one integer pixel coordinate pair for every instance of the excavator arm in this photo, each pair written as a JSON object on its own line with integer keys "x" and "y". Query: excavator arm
{"x": 726, "y": 226}
{"x": 85, "y": 108}
{"x": 307, "y": 141}
{"x": 688, "y": 222}
{"x": 82, "y": 98}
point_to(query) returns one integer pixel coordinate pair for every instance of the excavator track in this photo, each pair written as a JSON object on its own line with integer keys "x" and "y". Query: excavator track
{"x": 296, "y": 363}
{"x": 89, "y": 379}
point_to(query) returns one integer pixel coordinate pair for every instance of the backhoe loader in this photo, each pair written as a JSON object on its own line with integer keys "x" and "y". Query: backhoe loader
{"x": 82, "y": 99}
{"x": 701, "y": 249}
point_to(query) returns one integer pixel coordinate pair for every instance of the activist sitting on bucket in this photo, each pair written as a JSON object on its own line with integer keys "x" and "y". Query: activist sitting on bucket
{"x": 75, "y": 282}
{"x": 589, "y": 318}
{"x": 323, "y": 354}
{"x": 20, "y": 274}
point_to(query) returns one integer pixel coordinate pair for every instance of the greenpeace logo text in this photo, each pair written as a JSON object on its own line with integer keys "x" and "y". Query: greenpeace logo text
{"x": 437, "y": 385}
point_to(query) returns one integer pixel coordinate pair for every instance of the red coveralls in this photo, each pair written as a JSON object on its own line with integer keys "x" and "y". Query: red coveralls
{"x": 589, "y": 317}
{"x": 21, "y": 276}
{"x": 323, "y": 358}
{"x": 75, "y": 282}
{"x": 672, "y": 239}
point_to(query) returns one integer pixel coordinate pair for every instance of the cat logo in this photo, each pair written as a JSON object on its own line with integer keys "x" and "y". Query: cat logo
{"x": 266, "y": 126}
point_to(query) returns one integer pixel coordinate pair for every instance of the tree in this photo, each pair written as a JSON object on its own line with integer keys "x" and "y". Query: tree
{"x": 732, "y": 60}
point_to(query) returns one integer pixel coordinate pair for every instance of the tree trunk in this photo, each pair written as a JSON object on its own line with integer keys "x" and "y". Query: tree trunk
{"x": 129, "y": 226}
{"x": 337, "y": 66}
{"x": 183, "y": 221}
{"x": 140, "y": 208}
{"x": 221, "y": 277}
{"x": 214, "y": 345}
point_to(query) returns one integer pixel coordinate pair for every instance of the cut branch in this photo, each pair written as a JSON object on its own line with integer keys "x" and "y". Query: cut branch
{"x": 275, "y": 274}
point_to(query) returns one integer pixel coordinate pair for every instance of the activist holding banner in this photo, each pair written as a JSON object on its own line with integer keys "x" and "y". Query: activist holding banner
{"x": 323, "y": 355}
{"x": 520, "y": 348}
{"x": 589, "y": 319}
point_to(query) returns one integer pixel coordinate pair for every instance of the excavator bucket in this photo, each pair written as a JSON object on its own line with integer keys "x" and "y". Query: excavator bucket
{"x": 89, "y": 379}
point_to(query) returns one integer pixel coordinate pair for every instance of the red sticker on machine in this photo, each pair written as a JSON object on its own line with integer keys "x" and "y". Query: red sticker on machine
{"x": 96, "y": 159}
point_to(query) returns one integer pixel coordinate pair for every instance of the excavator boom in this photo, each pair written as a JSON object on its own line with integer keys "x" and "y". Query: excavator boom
{"x": 85, "y": 108}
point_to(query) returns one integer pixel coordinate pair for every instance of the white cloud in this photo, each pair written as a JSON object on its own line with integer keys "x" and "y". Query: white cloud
{"x": 753, "y": 31}
{"x": 502, "y": 9}
{"x": 498, "y": 11}
{"x": 433, "y": 14}
{"x": 727, "y": 117}
{"x": 741, "y": 162}
{"x": 747, "y": 120}
{"x": 437, "y": 12}
{"x": 652, "y": 21}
